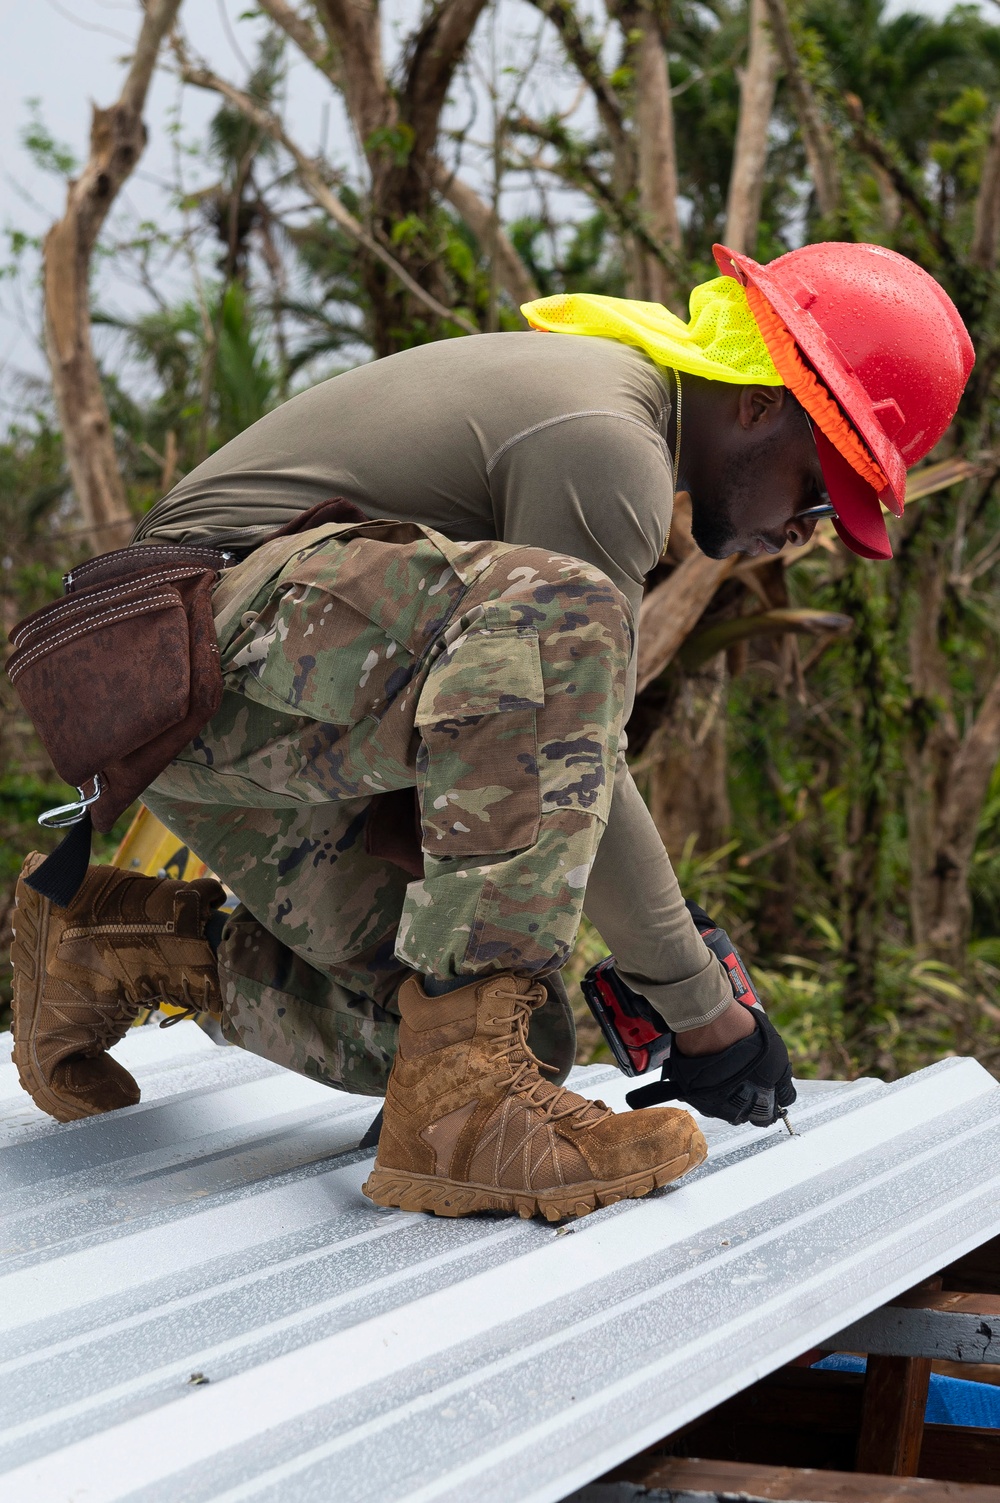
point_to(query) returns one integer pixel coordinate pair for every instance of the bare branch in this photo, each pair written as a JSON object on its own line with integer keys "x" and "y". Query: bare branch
{"x": 300, "y": 30}
{"x": 821, "y": 151}
{"x": 117, "y": 140}
{"x": 312, "y": 180}
{"x": 158, "y": 18}
{"x": 585, "y": 57}
{"x": 513, "y": 274}
{"x": 436, "y": 51}
{"x": 354, "y": 29}
{"x": 703, "y": 645}
{"x": 587, "y": 62}
{"x": 944, "y": 473}
{"x": 576, "y": 166}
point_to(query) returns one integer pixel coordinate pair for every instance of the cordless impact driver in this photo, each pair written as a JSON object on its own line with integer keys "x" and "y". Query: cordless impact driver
{"x": 751, "y": 1081}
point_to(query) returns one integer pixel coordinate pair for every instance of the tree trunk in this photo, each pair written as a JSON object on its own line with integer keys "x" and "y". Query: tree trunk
{"x": 757, "y": 87}
{"x": 656, "y": 154}
{"x": 117, "y": 140}
{"x": 820, "y": 149}
{"x": 76, "y": 384}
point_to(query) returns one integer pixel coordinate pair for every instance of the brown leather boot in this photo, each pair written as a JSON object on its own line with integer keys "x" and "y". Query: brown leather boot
{"x": 472, "y": 1125}
{"x": 82, "y": 973}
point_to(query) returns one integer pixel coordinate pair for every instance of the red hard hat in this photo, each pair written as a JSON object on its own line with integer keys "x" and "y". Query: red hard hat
{"x": 890, "y": 347}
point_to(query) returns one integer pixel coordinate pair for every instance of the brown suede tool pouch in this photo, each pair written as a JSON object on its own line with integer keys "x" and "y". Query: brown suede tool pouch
{"x": 118, "y": 676}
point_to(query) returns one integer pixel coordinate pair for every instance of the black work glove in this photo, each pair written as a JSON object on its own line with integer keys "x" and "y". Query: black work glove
{"x": 747, "y": 1082}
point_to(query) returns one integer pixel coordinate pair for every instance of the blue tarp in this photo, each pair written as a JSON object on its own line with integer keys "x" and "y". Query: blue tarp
{"x": 950, "y": 1401}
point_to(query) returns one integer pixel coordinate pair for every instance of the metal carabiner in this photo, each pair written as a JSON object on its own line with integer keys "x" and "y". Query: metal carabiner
{"x": 65, "y": 815}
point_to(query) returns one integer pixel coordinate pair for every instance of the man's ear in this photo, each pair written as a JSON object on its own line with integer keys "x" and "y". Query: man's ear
{"x": 760, "y": 406}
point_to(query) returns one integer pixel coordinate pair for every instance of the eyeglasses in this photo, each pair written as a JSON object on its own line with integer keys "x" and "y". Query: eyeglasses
{"x": 824, "y": 508}
{"x": 815, "y": 513}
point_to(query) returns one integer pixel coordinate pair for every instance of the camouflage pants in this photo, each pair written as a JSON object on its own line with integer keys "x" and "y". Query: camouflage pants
{"x": 490, "y": 677}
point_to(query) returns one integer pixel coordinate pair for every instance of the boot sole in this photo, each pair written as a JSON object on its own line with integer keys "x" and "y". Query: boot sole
{"x": 448, "y": 1197}
{"x": 27, "y": 955}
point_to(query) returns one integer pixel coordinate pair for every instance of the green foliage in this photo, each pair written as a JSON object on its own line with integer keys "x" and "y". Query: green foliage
{"x": 392, "y": 141}
{"x": 585, "y": 259}
{"x": 232, "y": 140}
{"x": 819, "y": 784}
{"x": 245, "y": 377}
{"x": 19, "y": 245}
{"x": 985, "y": 875}
{"x": 923, "y": 1011}
{"x": 710, "y": 880}
{"x": 48, "y": 154}
{"x": 32, "y": 479}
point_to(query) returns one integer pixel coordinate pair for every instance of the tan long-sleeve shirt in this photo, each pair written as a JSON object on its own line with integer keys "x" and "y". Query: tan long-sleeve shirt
{"x": 550, "y": 441}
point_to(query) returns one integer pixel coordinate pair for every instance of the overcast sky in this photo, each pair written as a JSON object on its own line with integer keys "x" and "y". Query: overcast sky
{"x": 67, "y": 53}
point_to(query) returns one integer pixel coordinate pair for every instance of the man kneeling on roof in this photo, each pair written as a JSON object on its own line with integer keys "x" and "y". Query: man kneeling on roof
{"x": 474, "y": 641}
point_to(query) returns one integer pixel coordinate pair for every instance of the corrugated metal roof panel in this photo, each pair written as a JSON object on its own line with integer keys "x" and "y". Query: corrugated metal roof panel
{"x": 218, "y": 1229}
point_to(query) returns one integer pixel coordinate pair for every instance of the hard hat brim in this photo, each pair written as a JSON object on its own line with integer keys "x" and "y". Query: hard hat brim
{"x": 859, "y": 521}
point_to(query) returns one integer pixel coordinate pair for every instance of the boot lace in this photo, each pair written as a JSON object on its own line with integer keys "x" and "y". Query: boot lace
{"x": 555, "y": 1102}
{"x": 150, "y": 995}
{"x": 108, "y": 1030}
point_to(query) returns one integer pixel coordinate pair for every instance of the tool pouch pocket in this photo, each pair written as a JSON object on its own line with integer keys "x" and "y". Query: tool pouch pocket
{"x": 119, "y": 675}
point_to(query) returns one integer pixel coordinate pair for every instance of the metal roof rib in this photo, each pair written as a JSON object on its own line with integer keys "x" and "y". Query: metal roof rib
{"x": 218, "y": 1228}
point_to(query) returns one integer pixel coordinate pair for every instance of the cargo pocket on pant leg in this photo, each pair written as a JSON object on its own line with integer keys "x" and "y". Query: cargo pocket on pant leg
{"x": 477, "y": 766}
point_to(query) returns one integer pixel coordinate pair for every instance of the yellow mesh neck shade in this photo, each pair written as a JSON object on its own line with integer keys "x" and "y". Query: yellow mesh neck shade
{"x": 721, "y": 342}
